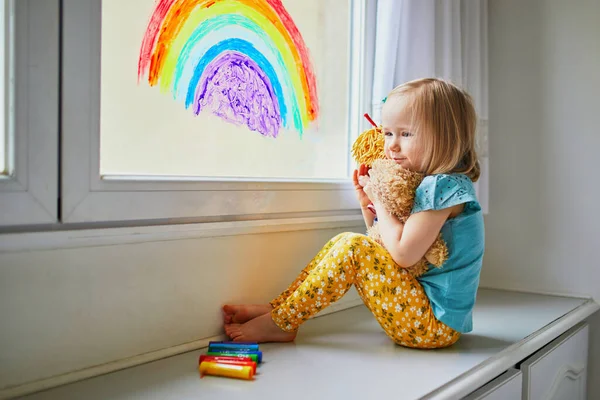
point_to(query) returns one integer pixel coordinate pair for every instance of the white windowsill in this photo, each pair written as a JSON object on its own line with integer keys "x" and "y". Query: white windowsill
{"x": 347, "y": 355}
{"x": 18, "y": 242}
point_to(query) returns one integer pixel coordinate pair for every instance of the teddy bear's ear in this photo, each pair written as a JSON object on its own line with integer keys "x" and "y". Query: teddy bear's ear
{"x": 368, "y": 147}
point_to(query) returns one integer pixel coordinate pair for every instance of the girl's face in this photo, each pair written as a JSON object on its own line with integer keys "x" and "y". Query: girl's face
{"x": 401, "y": 143}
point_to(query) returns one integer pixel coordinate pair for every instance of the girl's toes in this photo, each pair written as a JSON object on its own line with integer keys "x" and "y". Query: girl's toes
{"x": 237, "y": 335}
{"x": 231, "y": 329}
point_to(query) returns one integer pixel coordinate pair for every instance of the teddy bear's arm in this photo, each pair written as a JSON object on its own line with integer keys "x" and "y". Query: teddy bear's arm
{"x": 438, "y": 252}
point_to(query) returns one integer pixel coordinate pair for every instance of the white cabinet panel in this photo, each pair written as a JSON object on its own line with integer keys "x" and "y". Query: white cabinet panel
{"x": 559, "y": 370}
{"x": 507, "y": 386}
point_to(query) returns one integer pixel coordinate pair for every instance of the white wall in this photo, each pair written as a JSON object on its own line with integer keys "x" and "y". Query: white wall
{"x": 543, "y": 227}
{"x": 71, "y": 300}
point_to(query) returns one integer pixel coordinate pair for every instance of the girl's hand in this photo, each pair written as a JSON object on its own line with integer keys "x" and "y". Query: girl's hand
{"x": 360, "y": 180}
{"x": 367, "y": 188}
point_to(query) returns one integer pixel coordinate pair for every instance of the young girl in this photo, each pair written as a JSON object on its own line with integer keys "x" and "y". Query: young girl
{"x": 429, "y": 127}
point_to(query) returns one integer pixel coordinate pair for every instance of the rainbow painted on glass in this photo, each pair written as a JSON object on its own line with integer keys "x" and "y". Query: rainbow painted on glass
{"x": 244, "y": 60}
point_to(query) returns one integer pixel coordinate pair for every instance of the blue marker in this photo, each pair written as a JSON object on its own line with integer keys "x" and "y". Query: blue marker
{"x": 232, "y": 346}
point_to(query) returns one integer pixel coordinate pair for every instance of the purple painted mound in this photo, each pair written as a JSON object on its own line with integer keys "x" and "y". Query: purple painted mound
{"x": 234, "y": 88}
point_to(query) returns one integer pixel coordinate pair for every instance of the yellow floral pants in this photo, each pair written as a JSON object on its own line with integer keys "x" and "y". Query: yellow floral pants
{"x": 394, "y": 297}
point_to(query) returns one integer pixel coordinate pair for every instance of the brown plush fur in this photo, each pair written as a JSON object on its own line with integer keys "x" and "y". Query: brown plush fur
{"x": 395, "y": 188}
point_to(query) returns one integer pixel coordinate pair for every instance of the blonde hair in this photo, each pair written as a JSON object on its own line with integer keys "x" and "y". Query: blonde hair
{"x": 444, "y": 119}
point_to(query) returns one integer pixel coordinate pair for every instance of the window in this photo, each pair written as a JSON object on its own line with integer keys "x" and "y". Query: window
{"x": 241, "y": 90}
{"x": 6, "y": 88}
{"x": 29, "y": 54}
{"x": 3, "y": 59}
{"x": 121, "y": 165}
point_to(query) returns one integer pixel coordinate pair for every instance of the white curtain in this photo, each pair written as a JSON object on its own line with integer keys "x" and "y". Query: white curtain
{"x": 435, "y": 38}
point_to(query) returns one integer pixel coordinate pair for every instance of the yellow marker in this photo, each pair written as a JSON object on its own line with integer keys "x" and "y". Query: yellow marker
{"x": 228, "y": 370}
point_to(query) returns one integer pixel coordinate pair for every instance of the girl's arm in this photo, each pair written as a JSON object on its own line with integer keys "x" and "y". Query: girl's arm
{"x": 360, "y": 179}
{"x": 368, "y": 216}
{"x": 408, "y": 243}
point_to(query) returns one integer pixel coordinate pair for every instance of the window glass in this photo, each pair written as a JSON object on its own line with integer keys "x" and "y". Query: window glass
{"x": 249, "y": 89}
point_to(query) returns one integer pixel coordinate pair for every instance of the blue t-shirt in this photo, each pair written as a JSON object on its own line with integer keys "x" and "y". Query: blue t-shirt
{"x": 452, "y": 288}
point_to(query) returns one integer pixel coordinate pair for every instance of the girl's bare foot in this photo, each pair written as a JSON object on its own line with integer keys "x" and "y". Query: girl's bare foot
{"x": 260, "y": 329}
{"x": 238, "y": 314}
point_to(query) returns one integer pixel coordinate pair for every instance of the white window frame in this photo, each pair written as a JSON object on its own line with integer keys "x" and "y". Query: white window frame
{"x": 88, "y": 197}
{"x": 29, "y": 193}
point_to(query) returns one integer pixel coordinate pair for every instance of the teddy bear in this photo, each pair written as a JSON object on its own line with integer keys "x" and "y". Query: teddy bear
{"x": 395, "y": 188}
